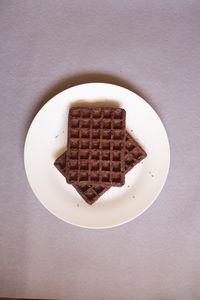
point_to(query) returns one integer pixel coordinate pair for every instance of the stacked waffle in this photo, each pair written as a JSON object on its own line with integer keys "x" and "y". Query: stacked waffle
{"x": 99, "y": 152}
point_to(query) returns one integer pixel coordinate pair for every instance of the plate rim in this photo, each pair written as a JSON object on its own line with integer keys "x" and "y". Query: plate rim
{"x": 153, "y": 198}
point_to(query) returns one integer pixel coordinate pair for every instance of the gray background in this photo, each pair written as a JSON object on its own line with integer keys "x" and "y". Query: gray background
{"x": 151, "y": 47}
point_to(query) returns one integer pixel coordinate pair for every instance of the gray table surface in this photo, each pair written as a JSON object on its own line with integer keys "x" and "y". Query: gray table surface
{"x": 151, "y": 47}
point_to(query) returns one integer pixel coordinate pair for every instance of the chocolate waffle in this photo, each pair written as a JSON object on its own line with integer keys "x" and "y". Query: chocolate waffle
{"x": 96, "y": 146}
{"x": 90, "y": 193}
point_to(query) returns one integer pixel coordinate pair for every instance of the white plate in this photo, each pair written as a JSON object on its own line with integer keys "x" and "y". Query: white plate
{"x": 46, "y": 140}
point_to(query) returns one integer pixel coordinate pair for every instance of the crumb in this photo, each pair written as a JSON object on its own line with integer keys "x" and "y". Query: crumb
{"x": 133, "y": 197}
{"x": 152, "y": 175}
{"x": 77, "y": 204}
{"x": 56, "y": 136}
{"x": 128, "y": 186}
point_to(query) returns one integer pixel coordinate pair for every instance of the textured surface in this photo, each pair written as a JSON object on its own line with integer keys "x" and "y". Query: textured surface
{"x": 133, "y": 155}
{"x": 96, "y": 146}
{"x": 151, "y": 47}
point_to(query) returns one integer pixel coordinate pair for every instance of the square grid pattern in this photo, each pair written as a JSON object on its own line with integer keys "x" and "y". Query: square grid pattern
{"x": 90, "y": 193}
{"x": 96, "y": 146}
{"x": 133, "y": 153}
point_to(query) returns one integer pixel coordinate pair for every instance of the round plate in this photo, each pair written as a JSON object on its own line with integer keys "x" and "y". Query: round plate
{"x": 46, "y": 140}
